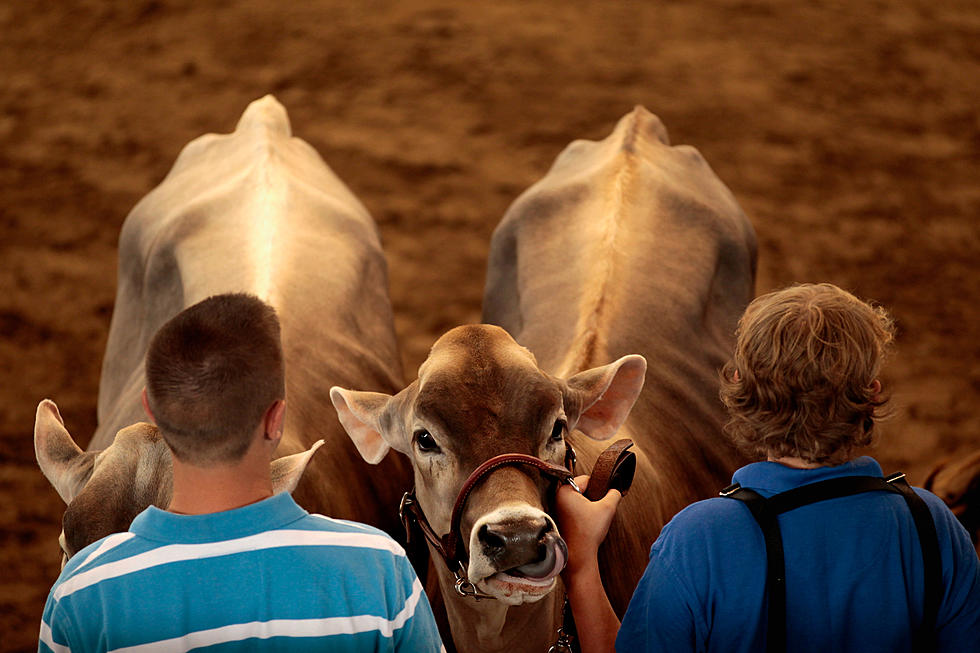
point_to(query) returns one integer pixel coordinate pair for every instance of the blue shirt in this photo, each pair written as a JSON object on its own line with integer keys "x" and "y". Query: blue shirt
{"x": 854, "y": 579}
{"x": 268, "y": 574}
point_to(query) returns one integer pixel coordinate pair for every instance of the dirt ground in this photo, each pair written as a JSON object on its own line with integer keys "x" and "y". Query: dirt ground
{"x": 848, "y": 130}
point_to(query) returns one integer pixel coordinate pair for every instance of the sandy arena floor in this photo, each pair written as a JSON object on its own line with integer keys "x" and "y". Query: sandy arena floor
{"x": 849, "y": 132}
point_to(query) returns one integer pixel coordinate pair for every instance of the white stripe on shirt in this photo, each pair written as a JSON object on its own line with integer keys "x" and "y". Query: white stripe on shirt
{"x": 108, "y": 544}
{"x": 284, "y": 628}
{"x": 344, "y": 522}
{"x": 47, "y": 639}
{"x": 408, "y": 611}
{"x": 183, "y": 552}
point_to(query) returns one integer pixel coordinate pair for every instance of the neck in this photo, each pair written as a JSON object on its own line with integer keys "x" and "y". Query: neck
{"x": 199, "y": 490}
{"x": 794, "y": 462}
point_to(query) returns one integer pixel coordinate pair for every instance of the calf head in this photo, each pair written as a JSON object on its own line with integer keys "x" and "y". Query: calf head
{"x": 105, "y": 490}
{"x": 478, "y": 395}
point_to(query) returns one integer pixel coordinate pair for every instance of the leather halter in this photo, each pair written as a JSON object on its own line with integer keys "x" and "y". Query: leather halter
{"x": 449, "y": 545}
{"x": 614, "y": 468}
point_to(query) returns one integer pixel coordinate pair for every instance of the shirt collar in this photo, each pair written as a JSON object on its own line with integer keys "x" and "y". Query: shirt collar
{"x": 770, "y": 478}
{"x": 268, "y": 514}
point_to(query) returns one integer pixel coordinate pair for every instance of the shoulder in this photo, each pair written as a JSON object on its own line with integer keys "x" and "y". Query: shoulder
{"x": 109, "y": 549}
{"x": 344, "y": 533}
{"x": 708, "y": 548}
{"x": 315, "y": 521}
{"x": 947, "y": 525}
{"x": 67, "y": 612}
{"x": 361, "y": 554}
{"x": 951, "y": 533}
{"x": 705, "y": 532}
{"x": 714, "y": 516}
{"x": 938, "y": 508}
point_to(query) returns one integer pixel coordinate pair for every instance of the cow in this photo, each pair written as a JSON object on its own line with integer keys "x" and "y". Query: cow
{"x": 254, "y": 211}
{"x": 956, "y": 480}
{"x": 615, "y": 282}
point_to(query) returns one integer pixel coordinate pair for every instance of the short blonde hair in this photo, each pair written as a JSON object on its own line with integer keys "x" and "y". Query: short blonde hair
{"x": 801, "y": 380}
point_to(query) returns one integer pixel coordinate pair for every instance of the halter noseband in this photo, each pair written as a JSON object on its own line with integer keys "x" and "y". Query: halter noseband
{"x": 449, "y": 545}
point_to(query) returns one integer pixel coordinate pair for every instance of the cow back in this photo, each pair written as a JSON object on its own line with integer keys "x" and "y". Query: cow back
{"x": 259, "y": 211}
{"x": 632, "y": 246}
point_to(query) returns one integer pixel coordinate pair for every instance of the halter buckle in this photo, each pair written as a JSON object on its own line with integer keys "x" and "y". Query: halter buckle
{"x": 570, "y": 458}
{"x": 405, "y": 515}
{"x": 407, "y": 499}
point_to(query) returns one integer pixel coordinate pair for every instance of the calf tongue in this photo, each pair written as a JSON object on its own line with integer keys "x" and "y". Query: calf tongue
{"x": 549, "y": 566}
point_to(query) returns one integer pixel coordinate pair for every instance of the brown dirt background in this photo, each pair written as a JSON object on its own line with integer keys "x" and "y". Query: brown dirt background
{"x": 848, "y": 130}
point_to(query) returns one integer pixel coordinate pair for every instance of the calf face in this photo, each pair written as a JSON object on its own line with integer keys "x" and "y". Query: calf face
{"x": 478, "y": 395}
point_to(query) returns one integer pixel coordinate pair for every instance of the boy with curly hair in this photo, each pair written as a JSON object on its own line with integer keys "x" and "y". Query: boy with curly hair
{"x": 851, "y": 562}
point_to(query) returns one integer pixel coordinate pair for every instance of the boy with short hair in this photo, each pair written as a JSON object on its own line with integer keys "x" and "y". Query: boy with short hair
{"x": 803, "y": 394}
{"x": 228, "y": 564}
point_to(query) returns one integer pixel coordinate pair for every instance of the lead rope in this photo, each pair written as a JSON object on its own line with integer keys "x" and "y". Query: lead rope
{"x": 613, "y": 469}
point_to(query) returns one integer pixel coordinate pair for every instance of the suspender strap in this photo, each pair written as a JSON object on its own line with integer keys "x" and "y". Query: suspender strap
{"x": 765, "y": 511}
{"x": 833, "y": 488}
{"x": 775, "y": 561}
{"x": 925, "y": 639}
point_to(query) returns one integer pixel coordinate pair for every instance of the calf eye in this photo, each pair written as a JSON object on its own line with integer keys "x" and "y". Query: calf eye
{"x": 558, "y": 430}
{"x": 425, "y": 441}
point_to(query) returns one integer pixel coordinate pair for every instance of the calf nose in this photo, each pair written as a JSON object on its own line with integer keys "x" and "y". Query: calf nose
{"x": 516, "y": 542}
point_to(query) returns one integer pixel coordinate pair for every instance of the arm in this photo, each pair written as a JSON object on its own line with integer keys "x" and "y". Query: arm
{"x": 584, "y": 525}
{"x": 53, "y": 635}
{"x": 958, "y": 620}
{"x": 419, "y": 631}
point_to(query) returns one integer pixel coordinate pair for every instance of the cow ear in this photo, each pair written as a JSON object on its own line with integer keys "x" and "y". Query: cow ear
{"x": 603, "y": 396}
{"x": 62, "y": 462}
{"x": 360, "y": 413}
{"x": 287, "y": 471}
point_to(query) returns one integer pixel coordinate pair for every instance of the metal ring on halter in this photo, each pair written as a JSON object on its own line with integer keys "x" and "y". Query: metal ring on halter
{"x": 465, "y": 587}
{"x": 562, "y": 645}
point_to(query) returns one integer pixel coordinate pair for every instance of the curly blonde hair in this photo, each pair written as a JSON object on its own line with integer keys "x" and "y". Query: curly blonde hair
{"x": 802, "y": 380}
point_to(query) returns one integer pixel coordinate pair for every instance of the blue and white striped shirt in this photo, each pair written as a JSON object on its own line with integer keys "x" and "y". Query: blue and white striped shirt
{"x": 268, "y": 576}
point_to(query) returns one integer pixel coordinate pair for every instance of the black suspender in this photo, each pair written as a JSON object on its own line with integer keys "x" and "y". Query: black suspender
{"x": 766, "y": 512}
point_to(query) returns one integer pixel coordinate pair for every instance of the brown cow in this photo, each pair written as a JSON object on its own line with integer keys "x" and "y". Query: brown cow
{"x": 956, "y": 480}
{"x": 254, "y": 211}
{"x": 627, "y": 246}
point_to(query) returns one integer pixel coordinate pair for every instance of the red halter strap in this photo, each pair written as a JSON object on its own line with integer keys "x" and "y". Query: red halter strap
{"x": 449, "y": 546}
{"x": 451, "y": 539}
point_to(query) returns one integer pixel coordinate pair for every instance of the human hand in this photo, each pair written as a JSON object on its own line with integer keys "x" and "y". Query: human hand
{"x": 584, "y": 523}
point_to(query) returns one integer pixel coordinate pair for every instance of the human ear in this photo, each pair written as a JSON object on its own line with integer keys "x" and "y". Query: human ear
{"x": 146, "y": 406}
{"x": 273, "y": 420}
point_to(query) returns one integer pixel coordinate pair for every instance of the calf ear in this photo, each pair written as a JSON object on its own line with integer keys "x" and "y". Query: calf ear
{"x": 360, "y": 413}
{"x": 287, "y": 471}
{"x": 603, "y": 396}
{"x": 62, "y": 462}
